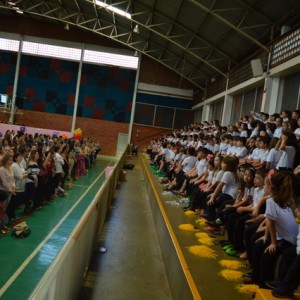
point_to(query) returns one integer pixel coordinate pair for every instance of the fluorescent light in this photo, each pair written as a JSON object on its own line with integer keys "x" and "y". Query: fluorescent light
{"x": 113, "y": 9}
{"x": 20, "y": 12}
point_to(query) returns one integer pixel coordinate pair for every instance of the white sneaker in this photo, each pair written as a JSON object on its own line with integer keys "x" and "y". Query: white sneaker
{"x": 61, "y": 189}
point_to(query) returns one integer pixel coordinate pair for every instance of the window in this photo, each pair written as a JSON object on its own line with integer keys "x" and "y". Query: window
{"x": 10, "y": 45}
{"x": 51, "y": 51}
{"x": 106, "y": 58}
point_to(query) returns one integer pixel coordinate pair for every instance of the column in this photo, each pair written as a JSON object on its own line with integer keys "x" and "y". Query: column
{"x": 226, "y": 116}
{"x": 271, "y": 98}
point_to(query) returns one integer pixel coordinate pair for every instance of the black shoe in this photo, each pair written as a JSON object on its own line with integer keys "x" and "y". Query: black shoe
{"x": 213, "y": 223}
{"x": 205, "y": 215}
{"x": 271, "y": 284}
{"x": 282, "y": 293}
{"x": 247, "y": 275}
{"x": 223, "y": 243}
{"x": 187, "y": 207}
{"x": 28, "y": 211}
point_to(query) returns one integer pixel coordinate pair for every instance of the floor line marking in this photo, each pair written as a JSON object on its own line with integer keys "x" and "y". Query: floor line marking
{"x": 80, "y": 185}
{"x": 37, "y": 249}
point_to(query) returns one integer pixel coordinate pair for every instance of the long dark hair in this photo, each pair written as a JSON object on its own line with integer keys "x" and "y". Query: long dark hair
{"x": 283, "y": 188}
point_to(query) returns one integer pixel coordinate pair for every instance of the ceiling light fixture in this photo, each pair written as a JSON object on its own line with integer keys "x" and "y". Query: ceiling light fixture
{"x": 136, "y": 29}
{"x": 113, "y": 9}
{"x": 67, "y": 27}
{"x": 136, "y": 54}
{"x": 20, "y": 11}
{"x": 11, "y": 3}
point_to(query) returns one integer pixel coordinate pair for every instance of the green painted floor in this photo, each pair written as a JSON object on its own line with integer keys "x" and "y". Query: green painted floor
{"x": 24, "y": 261}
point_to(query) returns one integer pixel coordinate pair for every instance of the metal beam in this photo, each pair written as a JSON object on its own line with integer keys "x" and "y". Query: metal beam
{"x": 99, "y": 31}
{"x": 238, "y": 30}
{"x": 149, "y": 10}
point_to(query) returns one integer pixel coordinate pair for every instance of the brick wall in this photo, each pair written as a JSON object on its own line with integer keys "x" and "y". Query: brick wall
{"x": 104, "y": 131}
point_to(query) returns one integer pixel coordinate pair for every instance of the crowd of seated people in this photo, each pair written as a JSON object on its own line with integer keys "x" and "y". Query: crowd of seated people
{"x": 245, "y": 178}
{"x": 34, "y": 170}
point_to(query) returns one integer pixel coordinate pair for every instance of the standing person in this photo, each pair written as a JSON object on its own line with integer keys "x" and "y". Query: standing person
{"x": 42, "y": 162}
{"x": 33, "y": 170}
{"x": 20, "y": 180}
{"x": 72, "y": 162}
{"x": 281, "y": 228}
{"x": 7, "y": 188}
{"x": 59, "y": 162}
{"x": 65, "y": 155}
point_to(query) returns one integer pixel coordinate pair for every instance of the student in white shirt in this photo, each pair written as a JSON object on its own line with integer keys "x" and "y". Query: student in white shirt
{"x": 278, "y": 130}
{"x": 288, "y": 271}
{"x": 288, "y": 145}
{"x": 241, "y": 150}
{"x": 186, "y": 165}
{"x": 273, "y": 155}
{"x": 281, "y": 228}
{"x": 227, "y": 189}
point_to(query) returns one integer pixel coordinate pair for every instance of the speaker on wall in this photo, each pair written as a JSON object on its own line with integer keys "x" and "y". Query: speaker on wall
{"x": 256, "y": 67}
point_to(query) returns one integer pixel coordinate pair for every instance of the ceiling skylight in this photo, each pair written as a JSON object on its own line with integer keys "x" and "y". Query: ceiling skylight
{"x": 113, "y": 9}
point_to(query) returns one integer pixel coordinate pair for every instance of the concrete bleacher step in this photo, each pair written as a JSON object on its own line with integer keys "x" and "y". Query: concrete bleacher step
{"x": 263, "y": 294}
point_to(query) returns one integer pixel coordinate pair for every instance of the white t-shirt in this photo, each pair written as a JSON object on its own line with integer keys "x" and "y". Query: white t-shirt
{"x": 231, "y": 186}
{"x": 244, "y": 133}
{"x": 210, "y": 175}
{"x": 178, "y": 157}
{"x": 59, "y": 163}
{"x": 277, "y": 132}
{"x": 165, "y": 152}
{"x": 223, "y": 148}
{"x": 254, "y": 132}
{"x": 189, "y": 163}
{"x": 285, "y": 224}
{"x": 231, "y": 150}
{"x": 258, "y": 154}
{"x": 217, "y": 177}
{"x": 273, "y": 157}
{"x": 297, "y": 131}
{"x": 287, "y": 158}
{"x": 200, "y": 165}
{"x": 215, "y": 148}
{"x": 199, "y": 144}
{"x": 258, "y": 194}
{"x": 171, "y": 155}
{"x": 270, "y": 133}
{"x": 241, "y": 152}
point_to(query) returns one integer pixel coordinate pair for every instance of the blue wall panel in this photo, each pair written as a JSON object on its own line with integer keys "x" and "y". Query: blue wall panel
{"x": 106, "y": 93}
{"x": 7, "y": 71}
{"x": 47, "y": 84}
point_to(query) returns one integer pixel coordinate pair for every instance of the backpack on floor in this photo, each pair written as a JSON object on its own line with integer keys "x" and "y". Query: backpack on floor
{"x": 128, "y": 167}
{"x": 21, "y": 230}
